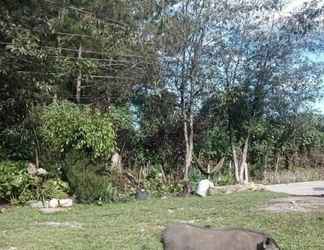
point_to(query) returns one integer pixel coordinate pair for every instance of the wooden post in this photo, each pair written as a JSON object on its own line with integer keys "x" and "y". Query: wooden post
{"x": 79, "y": 79}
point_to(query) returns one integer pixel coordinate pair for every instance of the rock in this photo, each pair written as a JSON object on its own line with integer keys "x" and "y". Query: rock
{"x": 142, "y": 195}
{"x": 116, "y": 162}
{"x": 65, "y": 202}
{"x": 41, "y": 172}
{"x": 31, "y": 169}
{"x": 53, "y": 203}
{"x": 203, "y": 187}
{"x": 38, "y": 204}
{"x": 238, "y": 188}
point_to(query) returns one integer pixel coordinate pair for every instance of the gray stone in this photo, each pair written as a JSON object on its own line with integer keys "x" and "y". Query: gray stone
{"x": 116, "y": 162}
{"x": 31, "y": 169}
{"x": 38, "y": 204}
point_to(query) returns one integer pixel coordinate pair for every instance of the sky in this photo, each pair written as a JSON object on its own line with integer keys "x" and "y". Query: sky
{"x": 293, "y": 5}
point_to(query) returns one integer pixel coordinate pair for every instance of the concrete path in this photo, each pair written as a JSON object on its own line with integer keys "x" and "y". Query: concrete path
{"x": 300, "y": 188}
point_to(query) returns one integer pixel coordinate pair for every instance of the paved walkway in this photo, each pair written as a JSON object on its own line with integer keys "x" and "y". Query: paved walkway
{"x": 300, "y": 188}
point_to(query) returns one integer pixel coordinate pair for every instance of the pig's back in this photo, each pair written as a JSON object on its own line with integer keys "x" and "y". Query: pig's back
{"x": 188, "y": 237}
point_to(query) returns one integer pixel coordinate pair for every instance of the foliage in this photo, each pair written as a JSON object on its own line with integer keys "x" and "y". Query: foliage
{"x": 157, "y": 186}
{"x": 17, "y": 186}
{"x": 55, "y": 188}
{"x": 157, "y": 80}
{"x": 67, "y": 127}
{"x": 89, "y": 185}
{"x": 17, "y": 143}
{"x": 15, "y": 183}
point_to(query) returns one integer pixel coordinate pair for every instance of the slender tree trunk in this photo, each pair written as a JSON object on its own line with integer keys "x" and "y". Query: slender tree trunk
{"x": 244, "y": 175}
{"x": 241, "y": 166}
{"x": 188, "y": 134}
{"x": 36, "y": 157}
{"x": 277, "y": 166}
{"x": 265, "y": 166}
{"x": 236, "y": 165}
{"x": 79, "y": 79}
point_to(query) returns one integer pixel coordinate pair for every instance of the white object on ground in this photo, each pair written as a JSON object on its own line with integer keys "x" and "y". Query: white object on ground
{"x": 41, "y": 172}
{"x": 53, "y": 203}
{"x": 203, "y": 187}
{"x": 65, "y": 202}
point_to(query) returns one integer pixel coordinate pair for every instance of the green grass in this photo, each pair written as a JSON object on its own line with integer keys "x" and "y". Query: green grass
{"x": 137, "y": 225}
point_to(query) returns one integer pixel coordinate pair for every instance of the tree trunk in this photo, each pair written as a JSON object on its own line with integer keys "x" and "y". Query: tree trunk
{"x": 277, "y": 167}
{"x": 79, "y": 79}
{"x": 236, "y": 165}
{"x": 36, "y": 157}
{"x": 265, "y": 166}
{"x": 240, "y": 166}
{"x": 188, "y": 134}
{"x": 244, "y": 175}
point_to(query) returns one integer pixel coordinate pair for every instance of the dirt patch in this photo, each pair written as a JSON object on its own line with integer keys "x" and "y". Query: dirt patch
{"x": 3, "y": 205}
{"x": 59, "y": 224}
{"x": 52, "y": 210}
{"x": 295, "y": 204}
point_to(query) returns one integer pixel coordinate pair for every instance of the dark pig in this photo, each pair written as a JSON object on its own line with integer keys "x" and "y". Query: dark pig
{"x": 190, "y": 237}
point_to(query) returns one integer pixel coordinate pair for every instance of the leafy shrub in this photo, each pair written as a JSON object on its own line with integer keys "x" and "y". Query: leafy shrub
{"x": 157, "y": 187}
{"x": 55, "y": 188}
{"x": 68, "y": 127}
{"x": 90, "y": 186}
{"x": 17, "y": 186}
{"x": 15, "y": 183}
{"x": 16, "y": 143}
{"x": 224, "y": 179}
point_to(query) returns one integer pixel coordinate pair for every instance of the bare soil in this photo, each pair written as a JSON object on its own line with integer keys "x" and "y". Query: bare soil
{"x": 295, "y": 204}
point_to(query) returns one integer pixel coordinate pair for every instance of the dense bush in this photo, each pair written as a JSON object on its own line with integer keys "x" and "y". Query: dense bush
{"x": 67, "y": 126}
{"x": 17, "y": 186}
{"x": 88, "y": 185}
{"x": 17, "y": 143}
{"x": 55, "y": 188}
{"x": 15, "y": 183}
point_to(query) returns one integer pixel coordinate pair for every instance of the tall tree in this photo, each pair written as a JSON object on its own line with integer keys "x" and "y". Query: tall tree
{"x": 184, "y": 61}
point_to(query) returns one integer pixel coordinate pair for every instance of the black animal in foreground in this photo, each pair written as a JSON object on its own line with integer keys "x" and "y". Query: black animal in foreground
{"x": 190, "y": 237}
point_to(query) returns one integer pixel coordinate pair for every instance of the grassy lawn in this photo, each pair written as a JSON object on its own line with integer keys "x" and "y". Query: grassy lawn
{"x": 137, "y": 225}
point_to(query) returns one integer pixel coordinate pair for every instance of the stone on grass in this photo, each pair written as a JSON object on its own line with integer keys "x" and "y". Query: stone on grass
{"x": 116, "y": 162}
{"x": 38, "y": 204}
{"x": 41, "y": 172}
{"x": 31, "y": 169}
{"x": 65, "y": 202}
{"x": 237, "y": 188}
{"x": 203, "y": 187}
{"x": 53, "y": 203}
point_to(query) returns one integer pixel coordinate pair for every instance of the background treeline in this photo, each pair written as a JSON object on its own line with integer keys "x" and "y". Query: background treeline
{"x": 177, "y": 88}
